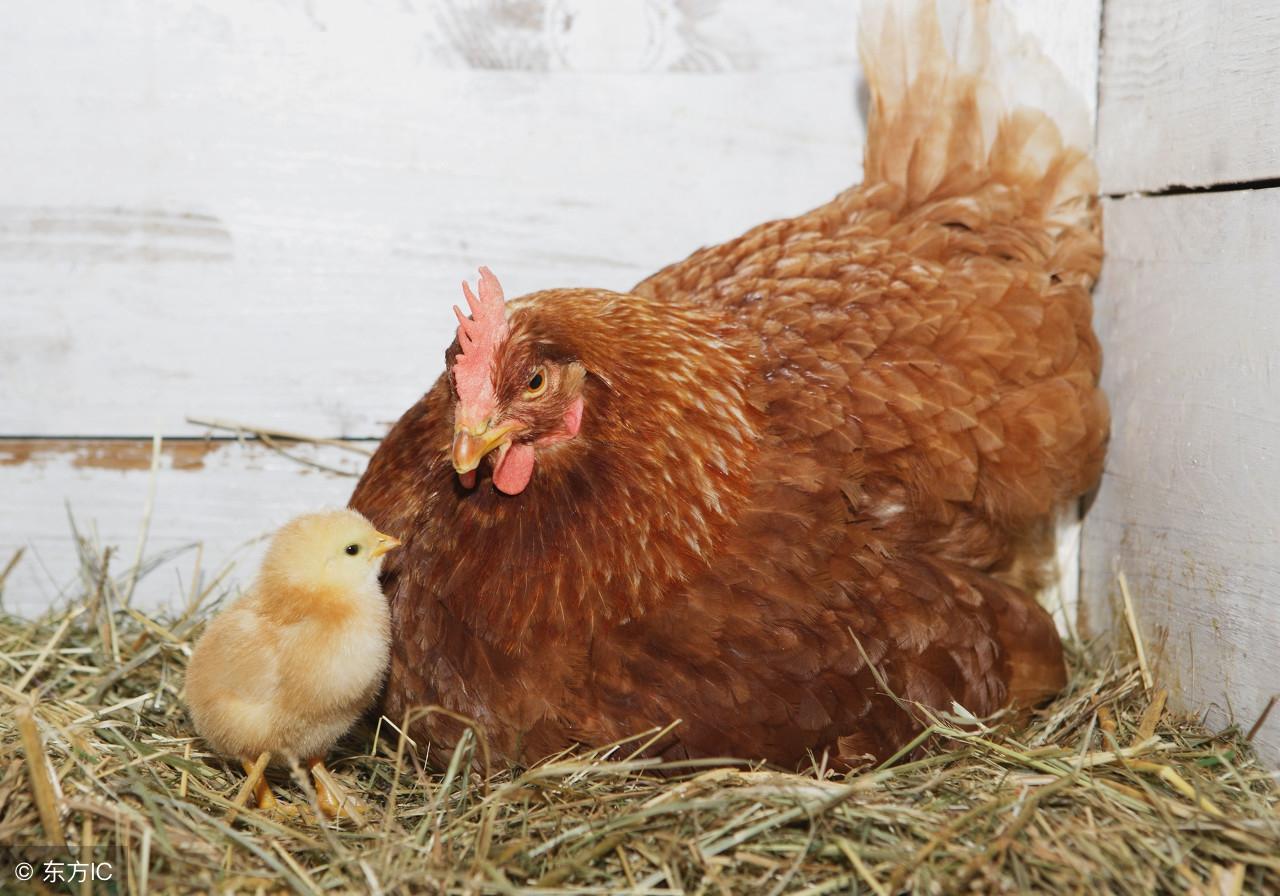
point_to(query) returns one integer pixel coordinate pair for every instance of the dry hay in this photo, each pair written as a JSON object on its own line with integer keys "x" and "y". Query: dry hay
{"x": 1105, "y": 792}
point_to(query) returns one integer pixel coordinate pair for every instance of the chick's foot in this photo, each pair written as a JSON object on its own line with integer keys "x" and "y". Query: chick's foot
{"x": 330, "y": 797}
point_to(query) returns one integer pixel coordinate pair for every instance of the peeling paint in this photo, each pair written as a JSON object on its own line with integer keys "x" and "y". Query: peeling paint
{"x": 107, "y": 454}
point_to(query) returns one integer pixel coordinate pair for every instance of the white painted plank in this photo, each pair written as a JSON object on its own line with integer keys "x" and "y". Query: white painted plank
{"x": 1190, "y": 503}
{"x": 1190, "y": 93}
{"x": 226, "y": 495}
{"x": 262, "y": 210}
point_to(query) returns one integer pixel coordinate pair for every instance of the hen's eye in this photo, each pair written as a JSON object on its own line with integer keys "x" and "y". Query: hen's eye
{"x": 353, "y": 549}
{"x": 537, "y": 384}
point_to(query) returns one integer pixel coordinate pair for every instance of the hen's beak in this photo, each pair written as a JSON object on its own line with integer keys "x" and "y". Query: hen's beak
{"x": 385, "y": 543}
{"x": 472, "y": 443}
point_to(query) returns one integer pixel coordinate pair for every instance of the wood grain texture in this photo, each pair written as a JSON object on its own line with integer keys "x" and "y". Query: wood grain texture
{"x": 1190, "y": 93}
{"x": 263, "y": 210}
{"x": 224, "y": 494}
{"x": 1190, "y": 503}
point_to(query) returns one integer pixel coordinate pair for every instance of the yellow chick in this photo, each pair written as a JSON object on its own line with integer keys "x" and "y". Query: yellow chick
{"x": 291, "y": 664}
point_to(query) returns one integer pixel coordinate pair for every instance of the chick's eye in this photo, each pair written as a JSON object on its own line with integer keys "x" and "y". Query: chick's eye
{"x": 353, "y": 549}
{"x": 537, "y": 384}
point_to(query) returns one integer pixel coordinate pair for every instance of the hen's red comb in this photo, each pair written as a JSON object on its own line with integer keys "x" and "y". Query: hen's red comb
{"x": 479, "y": 336}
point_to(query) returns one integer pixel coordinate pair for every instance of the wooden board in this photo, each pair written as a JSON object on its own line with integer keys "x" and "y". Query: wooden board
{"x": 222, "y": 494}
{"x": 1190, "y": 93}
{"x": 263, "y": 211}
{"x": 1190, "y": 503}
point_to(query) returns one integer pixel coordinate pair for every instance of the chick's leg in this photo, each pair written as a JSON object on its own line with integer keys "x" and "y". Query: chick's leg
{"x": 263, "y": 798}
{"x": 325, "y": 795}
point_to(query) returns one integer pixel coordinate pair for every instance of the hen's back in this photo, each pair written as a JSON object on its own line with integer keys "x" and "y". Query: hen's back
{"x": 938, "y": 316}
{"x": 929, "y": 369}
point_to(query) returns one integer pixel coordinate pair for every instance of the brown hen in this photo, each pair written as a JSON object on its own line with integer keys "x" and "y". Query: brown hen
{"x": 830, "y": 441}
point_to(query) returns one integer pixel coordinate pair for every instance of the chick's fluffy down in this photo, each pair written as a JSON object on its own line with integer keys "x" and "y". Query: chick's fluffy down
{"x": 291, "y": 665}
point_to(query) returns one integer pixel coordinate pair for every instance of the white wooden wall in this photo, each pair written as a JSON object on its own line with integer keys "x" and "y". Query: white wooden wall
{"x": 1187, "y": 309}
{"x": 260, "y": 211}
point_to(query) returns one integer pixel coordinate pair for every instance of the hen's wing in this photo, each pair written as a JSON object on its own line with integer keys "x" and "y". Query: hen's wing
{"x": 937, "y": 319}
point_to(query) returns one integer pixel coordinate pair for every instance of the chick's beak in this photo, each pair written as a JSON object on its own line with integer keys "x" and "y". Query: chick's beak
{"x": 472, "y": 443}
{"x": 385, "y": 543}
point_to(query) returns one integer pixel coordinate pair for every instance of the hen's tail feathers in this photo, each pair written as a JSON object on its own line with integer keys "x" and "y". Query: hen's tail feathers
{"x": 960, "y": 101}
